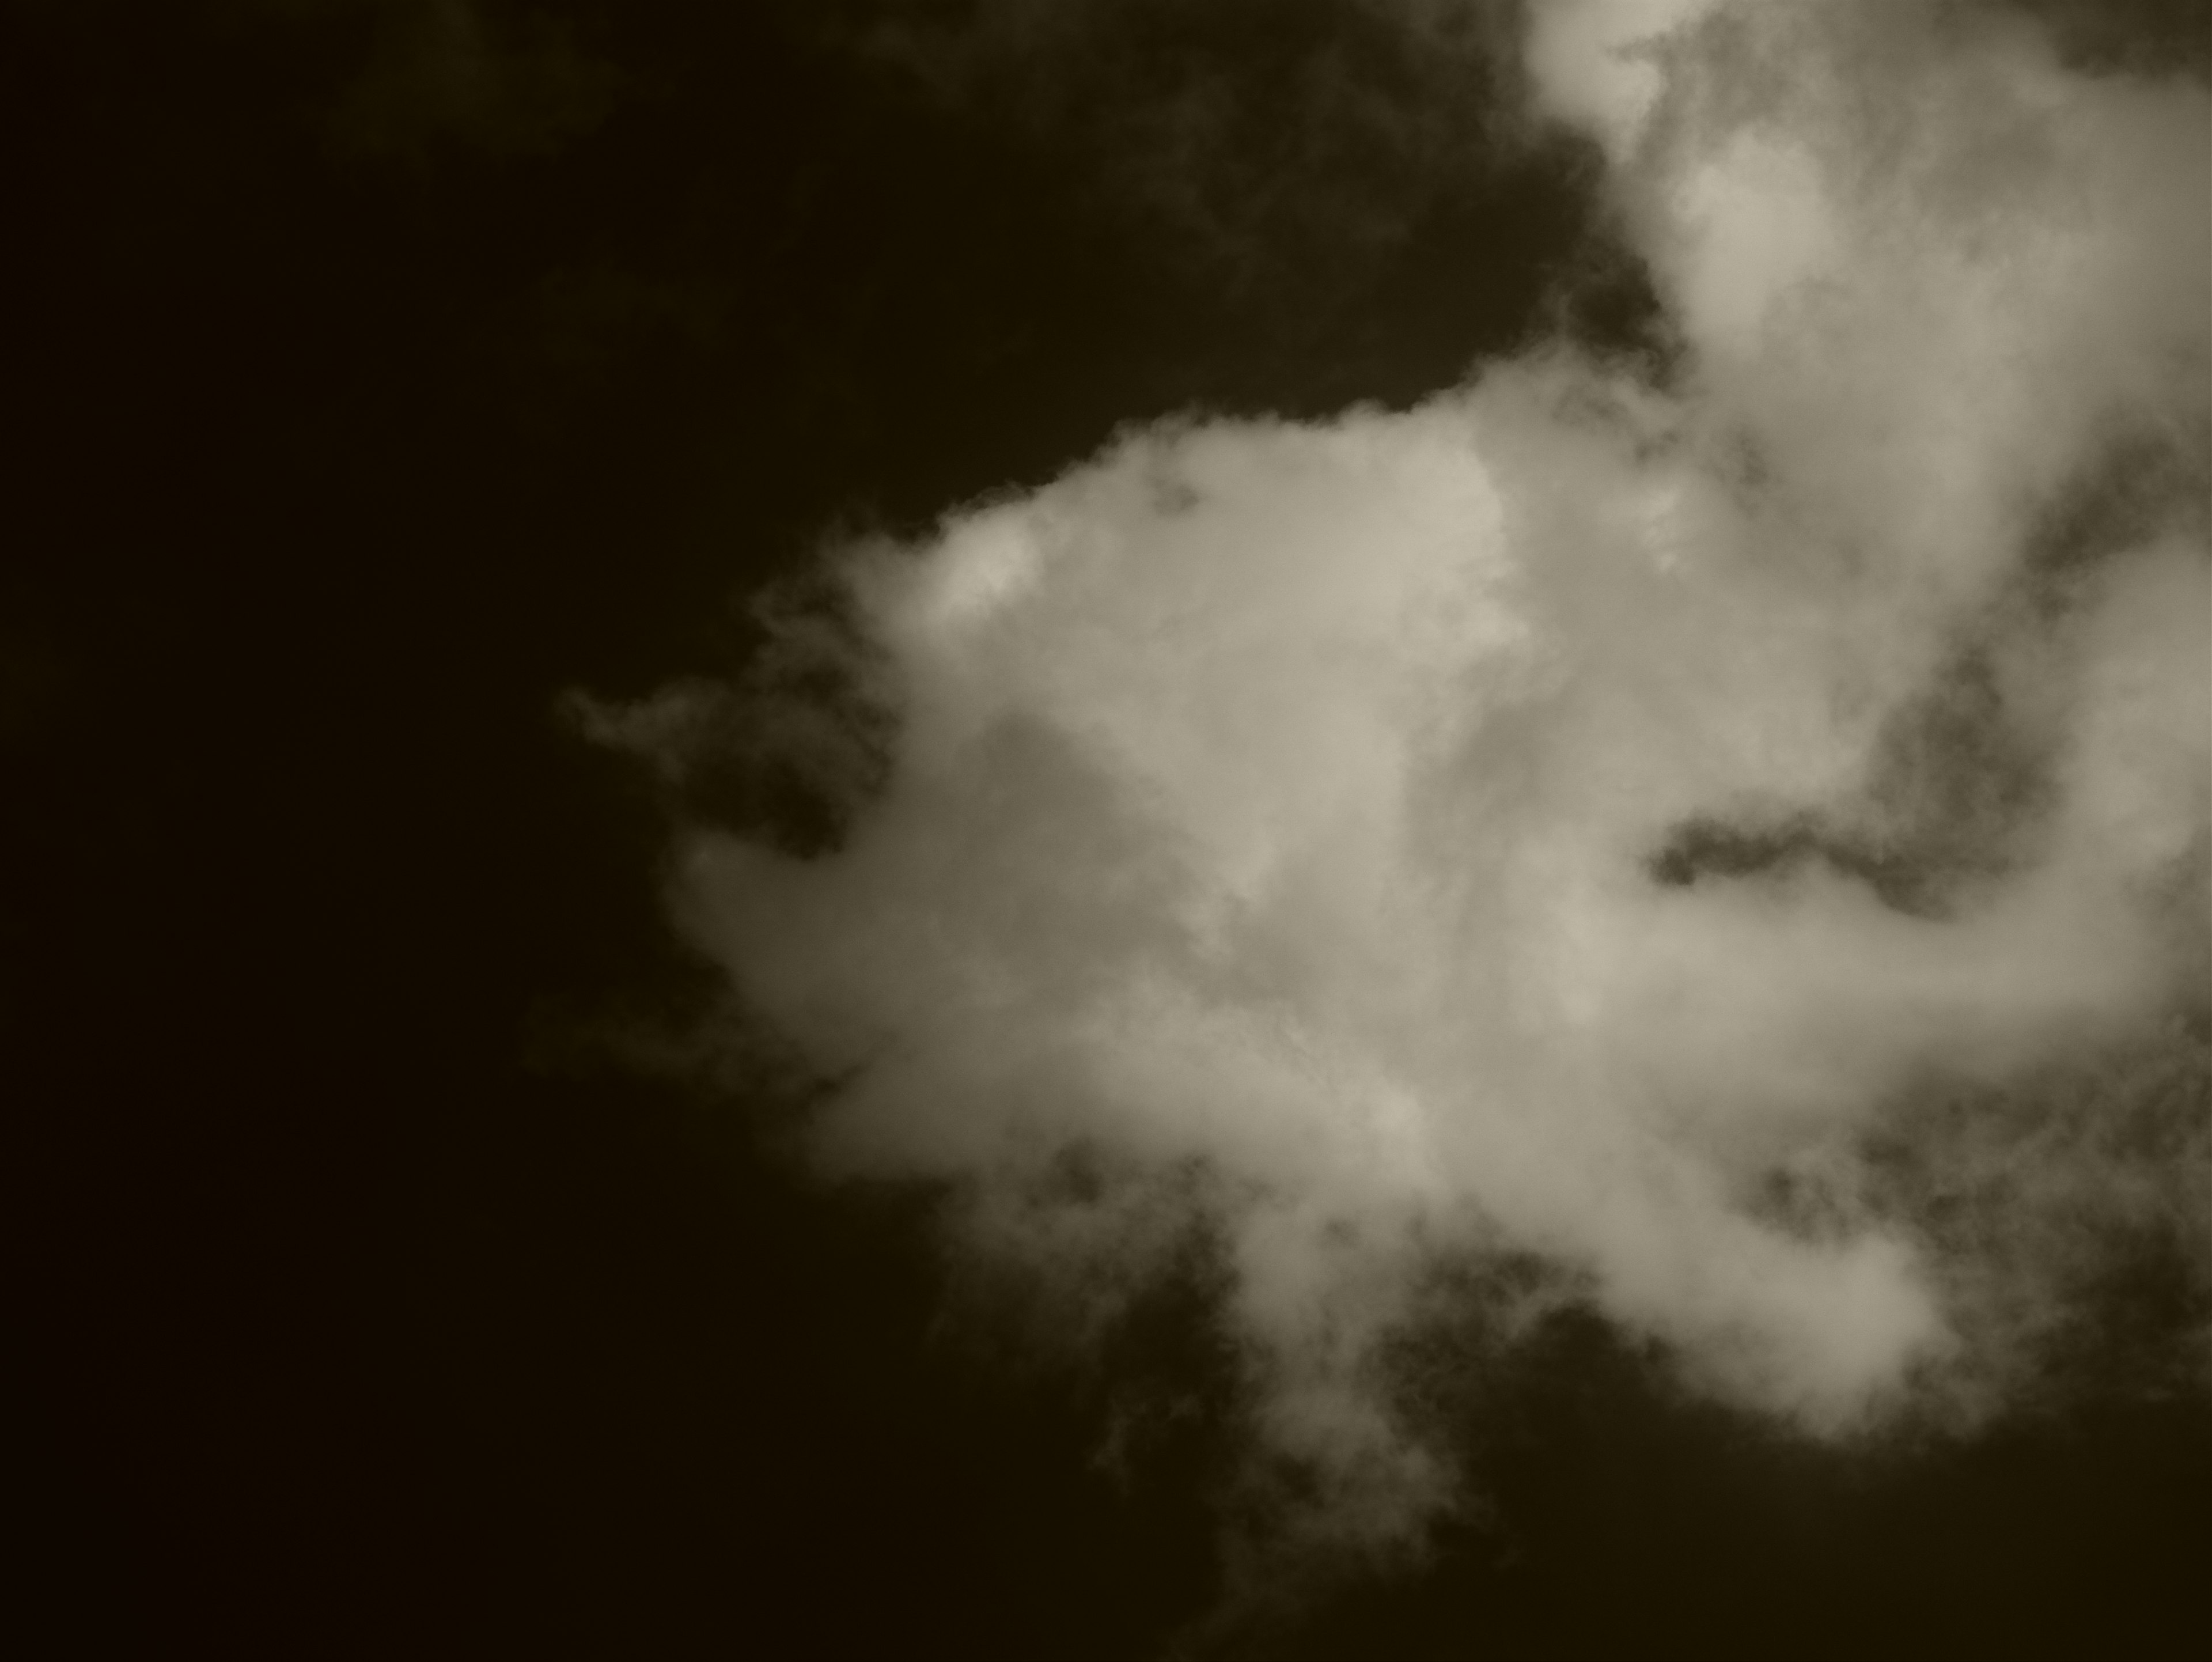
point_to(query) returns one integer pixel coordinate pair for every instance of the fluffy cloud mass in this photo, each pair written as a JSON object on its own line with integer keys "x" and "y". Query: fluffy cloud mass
{"x": 1735, "y": 831}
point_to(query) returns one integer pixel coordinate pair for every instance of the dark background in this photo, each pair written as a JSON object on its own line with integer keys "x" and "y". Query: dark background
{"x": 372, "y": 385}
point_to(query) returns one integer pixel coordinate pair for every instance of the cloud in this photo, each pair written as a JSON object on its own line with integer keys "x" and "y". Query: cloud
{"x": 1734, "y": 833}
{"x": 1597, "y": 65}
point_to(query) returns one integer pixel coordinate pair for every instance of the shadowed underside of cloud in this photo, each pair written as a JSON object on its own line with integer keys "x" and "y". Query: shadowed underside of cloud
{"x": 1728, "y": 847}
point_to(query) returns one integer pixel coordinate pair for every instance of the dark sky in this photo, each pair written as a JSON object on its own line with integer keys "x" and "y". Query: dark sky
{"x": 373, "y": 384}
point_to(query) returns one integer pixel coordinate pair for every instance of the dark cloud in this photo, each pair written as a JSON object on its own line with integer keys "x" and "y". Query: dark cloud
{"x": 501, "y": 78}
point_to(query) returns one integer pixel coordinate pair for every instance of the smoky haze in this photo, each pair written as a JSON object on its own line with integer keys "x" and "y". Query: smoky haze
{"x": 1717, "y": 836}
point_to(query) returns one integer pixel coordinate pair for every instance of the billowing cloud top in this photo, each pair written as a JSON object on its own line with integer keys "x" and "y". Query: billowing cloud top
{"x": 1737, "y": 832}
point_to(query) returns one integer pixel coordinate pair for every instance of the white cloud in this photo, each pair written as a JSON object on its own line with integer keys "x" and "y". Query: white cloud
{"x": 1273, "y": 811}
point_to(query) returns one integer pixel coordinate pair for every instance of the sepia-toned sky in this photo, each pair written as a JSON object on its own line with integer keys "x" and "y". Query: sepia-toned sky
{"x": 1244, "y": 828}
